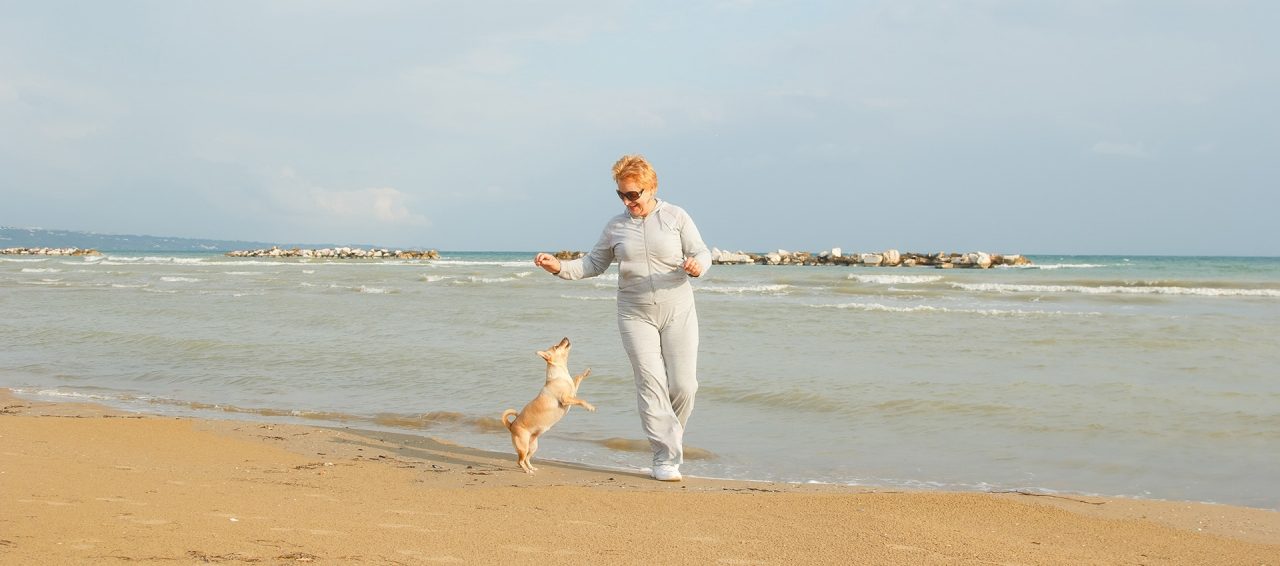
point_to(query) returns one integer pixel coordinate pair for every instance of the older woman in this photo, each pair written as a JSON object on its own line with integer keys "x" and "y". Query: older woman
{"x": 658, "y": 249}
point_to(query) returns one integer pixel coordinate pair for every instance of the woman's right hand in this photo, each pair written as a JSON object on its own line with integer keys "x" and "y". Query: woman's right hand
{"x": 547, "y": 262}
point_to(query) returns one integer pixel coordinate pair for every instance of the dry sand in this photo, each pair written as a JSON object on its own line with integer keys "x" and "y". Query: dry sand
{"x": 82, "y": 484}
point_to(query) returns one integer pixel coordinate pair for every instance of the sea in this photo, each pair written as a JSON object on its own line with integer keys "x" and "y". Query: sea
{"x": 1128, "y": 376}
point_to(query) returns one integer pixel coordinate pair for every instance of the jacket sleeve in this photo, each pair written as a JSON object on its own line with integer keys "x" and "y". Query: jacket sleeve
{"x": 594, "y": 263}
{"x": 691, "y": 242}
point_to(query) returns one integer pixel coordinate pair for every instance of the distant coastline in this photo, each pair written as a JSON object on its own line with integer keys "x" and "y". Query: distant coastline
{"x": 48, "y": 251}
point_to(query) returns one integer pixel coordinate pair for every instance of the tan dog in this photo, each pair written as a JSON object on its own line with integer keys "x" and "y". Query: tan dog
{"x": 545, "y": 410}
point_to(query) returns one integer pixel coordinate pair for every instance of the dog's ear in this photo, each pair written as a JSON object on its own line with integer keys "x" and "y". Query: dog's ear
{"x": 545, "y": 355}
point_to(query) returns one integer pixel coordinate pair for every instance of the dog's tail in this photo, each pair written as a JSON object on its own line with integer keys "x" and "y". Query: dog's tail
{"x": 507, "y": 413}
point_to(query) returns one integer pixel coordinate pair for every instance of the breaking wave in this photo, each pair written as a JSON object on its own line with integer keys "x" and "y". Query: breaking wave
{"x": 895, "y": 279}
{"x": 775, "y": 289}
{"x": 1116, "y": 290}
{"x": 877, "y": 307}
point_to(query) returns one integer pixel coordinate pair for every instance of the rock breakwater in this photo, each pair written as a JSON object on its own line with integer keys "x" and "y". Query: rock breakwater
{"x": 48, "y": 251}
{"x": 337, "y": 253}
{"x": 887, "y": 258}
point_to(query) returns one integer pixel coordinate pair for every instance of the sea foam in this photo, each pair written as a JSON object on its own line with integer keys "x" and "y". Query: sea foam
{"x": 877, "y": 307}
{"x": 774, "y": 289}
{"x": 1115, "y": 289}
{"x": 895, "y": 279}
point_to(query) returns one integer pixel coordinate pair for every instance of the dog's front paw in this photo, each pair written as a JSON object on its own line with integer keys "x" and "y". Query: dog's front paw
{"x": 588, "y": 406}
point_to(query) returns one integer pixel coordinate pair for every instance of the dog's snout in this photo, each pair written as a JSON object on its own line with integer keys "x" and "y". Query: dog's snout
{"x": 564, "y": 341}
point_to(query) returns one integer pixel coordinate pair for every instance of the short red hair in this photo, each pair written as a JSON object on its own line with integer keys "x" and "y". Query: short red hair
{"x": 635, "y": 168}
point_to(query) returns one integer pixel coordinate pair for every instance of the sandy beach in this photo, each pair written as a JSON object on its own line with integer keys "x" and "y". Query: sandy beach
{"x": 84, "y": 484}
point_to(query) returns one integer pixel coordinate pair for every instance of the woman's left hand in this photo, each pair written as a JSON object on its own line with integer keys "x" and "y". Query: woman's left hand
{"x": 692, "y": 267}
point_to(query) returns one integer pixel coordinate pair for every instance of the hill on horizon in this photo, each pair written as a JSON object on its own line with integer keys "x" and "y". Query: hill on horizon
{"x": 11, "y": 237}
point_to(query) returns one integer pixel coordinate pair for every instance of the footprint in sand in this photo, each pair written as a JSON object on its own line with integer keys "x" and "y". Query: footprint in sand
{"x": 404, "y": 526}
{"x": 54, "y": 503}
{"x": 526, "y": 549}
{"x": 444, "y": 559}
{"x": 916, "y": 549}
{"x": 407, "y": 512}
{"x": 537, "y": 550}
{"x": 149, "y": 522}
{"x": 309, "y": 531}
{"x": 121, "y": 500}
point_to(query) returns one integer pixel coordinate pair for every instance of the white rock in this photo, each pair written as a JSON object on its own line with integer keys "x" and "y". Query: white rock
{"x": 892, "y": 257}
{"x": 982, "y": 260}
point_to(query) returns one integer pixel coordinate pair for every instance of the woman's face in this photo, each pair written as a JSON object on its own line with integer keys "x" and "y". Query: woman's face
{"x": 640, "y": 206}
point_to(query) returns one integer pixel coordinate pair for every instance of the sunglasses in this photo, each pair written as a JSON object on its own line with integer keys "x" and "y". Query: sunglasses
{"x": 630, "y": 195}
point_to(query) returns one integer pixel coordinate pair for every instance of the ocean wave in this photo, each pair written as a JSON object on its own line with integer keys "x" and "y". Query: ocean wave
{"x": 436, "y": 418}
{"x": 47, "y": 282}
{"x": 159, "y": 260}
{"x": 41, "y": 270}
{"x": 62, "y": 394}
{"x": 376, "y": 290}
{"x": 934, "y": 407}
{"x": 765, "y": 289}
{"x": 434, "y": 278}
{"x": 643, "y": 447}
{"x": 877, "y": 307}
{"x": 895, "y": 279}
{"x": 1052, "y": 266}
{"x": 242, "y": 272}
{"x": 23, "y": 259}
{"x": 802, "y": 399}
{"x": 490, "y": 280}
{"x": 1116, "y": 289}
{"x": 458, "y": 262}
{"x": 180, "y": 279}
{"x": 587, "y": 298}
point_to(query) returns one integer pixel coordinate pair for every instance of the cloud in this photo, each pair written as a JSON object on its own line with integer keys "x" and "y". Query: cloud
{"x": 1122, "y": 149}
{"x": 380, "y": 206}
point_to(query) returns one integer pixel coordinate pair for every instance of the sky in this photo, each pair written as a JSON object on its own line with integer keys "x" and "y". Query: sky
{"x": 1036, "y": 127}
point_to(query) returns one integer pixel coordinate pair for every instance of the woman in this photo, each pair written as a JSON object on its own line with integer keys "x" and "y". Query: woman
{"x": 658, "y": 249}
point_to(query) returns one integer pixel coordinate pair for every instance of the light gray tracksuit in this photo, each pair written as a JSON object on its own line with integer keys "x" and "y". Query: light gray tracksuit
{"x": 656, "y": 314}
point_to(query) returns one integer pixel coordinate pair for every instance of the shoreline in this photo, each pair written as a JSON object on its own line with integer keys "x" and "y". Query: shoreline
{"x": 379, "y": 426}
{"x": 86, "y": 483}
{"x": 385, "y": 425}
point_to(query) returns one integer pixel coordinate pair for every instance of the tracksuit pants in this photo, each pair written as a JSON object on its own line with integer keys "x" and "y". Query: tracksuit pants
{"x": 662, "y": 342}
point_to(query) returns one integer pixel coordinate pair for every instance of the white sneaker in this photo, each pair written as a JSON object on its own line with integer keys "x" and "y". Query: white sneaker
{"x": 667, "y": 472}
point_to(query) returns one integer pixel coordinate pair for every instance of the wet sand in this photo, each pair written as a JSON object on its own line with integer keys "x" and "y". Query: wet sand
{"x": 83, "y": 484}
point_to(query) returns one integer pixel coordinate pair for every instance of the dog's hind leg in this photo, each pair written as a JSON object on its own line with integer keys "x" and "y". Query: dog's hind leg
{"x": 533, "y": 447}
{"x": 520, "y": 440}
